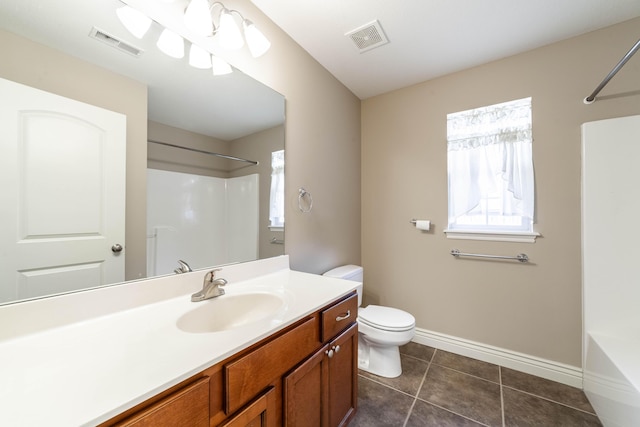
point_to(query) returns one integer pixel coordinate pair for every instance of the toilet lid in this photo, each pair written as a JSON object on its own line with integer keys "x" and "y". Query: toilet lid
{"x": 386, "y": 318}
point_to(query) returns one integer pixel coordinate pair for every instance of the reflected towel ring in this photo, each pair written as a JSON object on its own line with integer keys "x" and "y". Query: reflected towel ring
{"x": 301, "y": 195}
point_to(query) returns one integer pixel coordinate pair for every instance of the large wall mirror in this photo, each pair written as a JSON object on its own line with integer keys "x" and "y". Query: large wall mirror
{"x": 81, "y": 51}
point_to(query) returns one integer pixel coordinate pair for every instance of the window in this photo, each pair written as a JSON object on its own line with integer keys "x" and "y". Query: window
{"x": 276, "y": 198}
{"x": 490, "y": 172}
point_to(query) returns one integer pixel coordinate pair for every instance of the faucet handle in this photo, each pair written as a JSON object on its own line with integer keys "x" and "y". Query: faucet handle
{"x": 211, "y": 275}
{"x": 183, "y": 267}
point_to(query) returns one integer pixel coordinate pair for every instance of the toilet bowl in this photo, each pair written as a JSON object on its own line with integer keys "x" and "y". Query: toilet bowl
{"x": 381, "y": 330}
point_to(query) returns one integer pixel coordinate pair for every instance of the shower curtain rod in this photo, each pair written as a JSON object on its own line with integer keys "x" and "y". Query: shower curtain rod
{"x": 211, "y": 153}
{"x": 591, "y": 98}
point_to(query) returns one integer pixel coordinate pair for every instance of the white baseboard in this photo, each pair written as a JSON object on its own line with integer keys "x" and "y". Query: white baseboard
{"x": 559, "y": 372}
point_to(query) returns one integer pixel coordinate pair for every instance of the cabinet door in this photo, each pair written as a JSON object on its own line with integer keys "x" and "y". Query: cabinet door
{"x": 322, "y": 392}
{"x": 306, "y": 392}
{"x": 260, "y": 413}
{"x": 343, "y": 377}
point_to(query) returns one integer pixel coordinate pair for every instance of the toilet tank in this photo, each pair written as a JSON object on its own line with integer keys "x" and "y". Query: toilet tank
{"x": 349, "y": 272}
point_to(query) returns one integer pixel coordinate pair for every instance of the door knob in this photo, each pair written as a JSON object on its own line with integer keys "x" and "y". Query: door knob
{"x": 116, "y": 248}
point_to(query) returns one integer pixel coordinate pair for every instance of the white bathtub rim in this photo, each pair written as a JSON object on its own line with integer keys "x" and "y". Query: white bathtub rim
{"x": 614, "y": 397}
{"x": 622, "y": 347}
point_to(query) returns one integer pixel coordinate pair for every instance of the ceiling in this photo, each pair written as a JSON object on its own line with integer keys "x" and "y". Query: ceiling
{"x": 431, "y": 38}
{"x": 226, "y": 107}
{"x": 427, "y": 39}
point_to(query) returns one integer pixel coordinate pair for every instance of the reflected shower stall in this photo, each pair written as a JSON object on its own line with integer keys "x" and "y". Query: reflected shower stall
{"x": 202, "y": 220}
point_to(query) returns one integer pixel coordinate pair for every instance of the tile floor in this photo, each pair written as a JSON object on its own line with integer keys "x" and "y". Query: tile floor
{"x": 442, "y": 389}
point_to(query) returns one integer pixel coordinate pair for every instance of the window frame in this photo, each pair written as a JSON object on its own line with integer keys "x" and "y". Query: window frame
{"x": 280, "y": 225}
{"x": 467, "y": 137}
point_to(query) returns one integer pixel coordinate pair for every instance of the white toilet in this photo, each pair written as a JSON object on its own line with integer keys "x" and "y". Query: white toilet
{"x": 381, "y": 330}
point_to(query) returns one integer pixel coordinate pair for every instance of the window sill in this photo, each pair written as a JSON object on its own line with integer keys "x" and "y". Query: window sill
{"x": 496, "y": 236}
{"x": 274, "y": 228}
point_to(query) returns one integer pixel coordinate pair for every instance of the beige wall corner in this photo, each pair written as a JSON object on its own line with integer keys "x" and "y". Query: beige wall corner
{"x": 322, "y": 149}
{"x": 530, "y": 308}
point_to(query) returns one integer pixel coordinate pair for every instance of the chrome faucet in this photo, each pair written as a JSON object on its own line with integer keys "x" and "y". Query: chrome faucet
{"x": 184, "y": 267}
{"x": 211, "y": 287}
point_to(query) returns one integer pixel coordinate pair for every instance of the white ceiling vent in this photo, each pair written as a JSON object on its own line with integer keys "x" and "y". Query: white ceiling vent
{"x": 112, "y": 41}
{"x": 368, "y": 36}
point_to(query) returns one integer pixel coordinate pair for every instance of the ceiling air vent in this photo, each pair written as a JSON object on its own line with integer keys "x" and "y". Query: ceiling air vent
{"x": 368, "y": 36}
{"x": 112, "y": 41}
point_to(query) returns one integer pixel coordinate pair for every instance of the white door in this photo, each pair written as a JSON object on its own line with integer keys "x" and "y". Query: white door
{"x": 62, "y": 203}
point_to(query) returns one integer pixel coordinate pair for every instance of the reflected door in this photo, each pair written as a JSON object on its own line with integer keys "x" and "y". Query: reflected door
{"x": 62, "y": 211}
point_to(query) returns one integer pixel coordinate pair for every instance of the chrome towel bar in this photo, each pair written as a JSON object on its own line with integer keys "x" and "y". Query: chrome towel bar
{"x": 520, "y": 257}
{"x": 276, "y": 241}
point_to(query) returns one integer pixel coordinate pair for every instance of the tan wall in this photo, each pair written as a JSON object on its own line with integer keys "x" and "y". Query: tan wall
{"x": 258, "y": 147}
{"x": 531, "y": 308}
{"x": 322, "y": 149}
{"x": 177, "y": 160}
{"x": 44, "y": 68}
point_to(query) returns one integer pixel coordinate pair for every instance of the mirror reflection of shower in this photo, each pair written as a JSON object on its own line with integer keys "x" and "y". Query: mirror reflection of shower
{"x": 205, "y": 220}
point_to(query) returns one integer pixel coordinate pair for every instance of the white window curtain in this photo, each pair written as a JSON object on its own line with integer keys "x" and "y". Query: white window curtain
{"x": 276, "y": 199}
{"x": 489, "y": 144}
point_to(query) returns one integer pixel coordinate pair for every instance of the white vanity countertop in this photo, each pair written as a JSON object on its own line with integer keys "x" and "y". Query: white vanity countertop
{"x": 84, "y": 372}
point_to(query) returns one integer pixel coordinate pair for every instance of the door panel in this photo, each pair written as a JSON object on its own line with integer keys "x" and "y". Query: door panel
{"x": 65, "y": 209}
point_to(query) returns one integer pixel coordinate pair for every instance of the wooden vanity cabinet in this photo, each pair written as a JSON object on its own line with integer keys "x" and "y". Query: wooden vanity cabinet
{"x": 322, "y": 391}
{"x": 261, "y": 412}
{"x": 304, "y": 375}
{"x": 188, "y": 405}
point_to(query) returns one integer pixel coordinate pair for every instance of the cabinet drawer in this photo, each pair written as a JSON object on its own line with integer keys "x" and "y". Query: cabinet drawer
{"x": 247, "y": 376}
{"x": 337, "y": 317}
{"x": 188, "y": 406}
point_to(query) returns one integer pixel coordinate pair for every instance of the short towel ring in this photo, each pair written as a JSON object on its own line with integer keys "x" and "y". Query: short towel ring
{"x": 304, "y": 194}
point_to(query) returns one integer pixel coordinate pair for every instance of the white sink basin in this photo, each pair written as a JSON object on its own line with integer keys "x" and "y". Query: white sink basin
{"x": 229, "y": 312}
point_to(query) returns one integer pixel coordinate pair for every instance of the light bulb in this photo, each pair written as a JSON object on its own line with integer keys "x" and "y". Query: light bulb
{"x": 229, "y": 33}
{"x": 199, "y": 58}
{"x": 256, "y": 41}
{"x": 135, "y": 21}
{"x": 197, "y": 17}
{"x": 171, "y": 44}
{"x": 220, "y": 66}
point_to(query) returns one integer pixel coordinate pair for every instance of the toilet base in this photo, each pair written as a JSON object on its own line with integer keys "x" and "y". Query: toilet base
{"x": 383, "y": 361}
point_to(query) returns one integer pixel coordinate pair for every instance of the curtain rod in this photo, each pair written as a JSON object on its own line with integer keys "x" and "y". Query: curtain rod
{"x": 211, "y": 153}
{"x": 591, "y": 98}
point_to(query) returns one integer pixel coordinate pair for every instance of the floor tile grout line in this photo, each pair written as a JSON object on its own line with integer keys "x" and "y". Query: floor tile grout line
{"x": 550, "y": 400}
{"x": 466, "y": 373}
{"x": 415, "y": 398}
{"x": 424, "y": 378}
{"x": 453, "y": 412}
{"x": 501, "y": 396}
{"x": 387, "y": 386}
{"x": 416, "y": 358}
{"x": 511, "y": 387}
{"x": 499, "y": 382}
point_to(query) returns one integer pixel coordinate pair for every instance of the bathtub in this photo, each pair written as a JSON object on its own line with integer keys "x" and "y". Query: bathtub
{"x": 610, "y": 251}
{"x": 612, "y": 376}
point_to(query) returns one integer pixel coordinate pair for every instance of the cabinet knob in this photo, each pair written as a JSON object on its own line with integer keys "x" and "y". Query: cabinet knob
{"x": 336, "y": 348}
{"x": 329, "y": 353}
